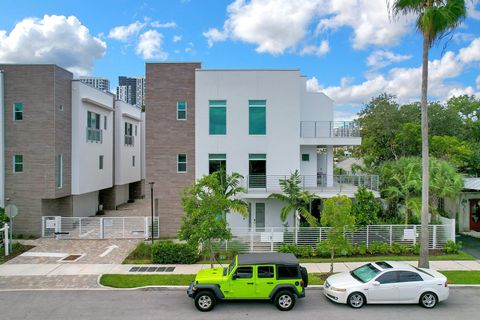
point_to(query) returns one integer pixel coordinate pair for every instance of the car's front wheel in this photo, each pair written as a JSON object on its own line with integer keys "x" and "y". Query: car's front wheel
{"x": 285, "y": 300}
{"x": 428, "y": 300}
{"x": 356, "y": 300}
{"x": 205, "y": 301}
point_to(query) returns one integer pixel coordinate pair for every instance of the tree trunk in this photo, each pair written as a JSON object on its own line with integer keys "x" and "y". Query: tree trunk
{"x": 212, "y": 254}
{"x": 423, "y": 261}
{"x": 332, "y": 255}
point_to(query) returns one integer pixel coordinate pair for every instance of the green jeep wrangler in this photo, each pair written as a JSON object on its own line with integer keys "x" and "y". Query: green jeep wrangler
{"x": 265, "y": 276}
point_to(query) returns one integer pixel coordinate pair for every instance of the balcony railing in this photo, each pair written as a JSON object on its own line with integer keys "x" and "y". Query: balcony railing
{"x": 129, "y": 140}
{"x": 329, "y": 129}
{"x": 94, "y": 135}
{"x": 312, "y": 182}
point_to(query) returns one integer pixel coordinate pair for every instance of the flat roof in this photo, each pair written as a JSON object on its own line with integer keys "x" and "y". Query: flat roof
{"x": 472, "y": 183}
{"x": 267, "y": 258}
{"x": 247, "y": 69}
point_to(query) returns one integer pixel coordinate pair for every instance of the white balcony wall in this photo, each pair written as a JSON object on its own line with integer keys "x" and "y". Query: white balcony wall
{"x": 125, "y": 171}
{"x": 309, "y": 168}
{"x": 86, "y": 173}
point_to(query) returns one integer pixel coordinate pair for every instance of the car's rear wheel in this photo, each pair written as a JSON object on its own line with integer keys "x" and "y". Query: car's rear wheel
{"x": 285, "y": 300}
{"x": 428, "y": 300}
{"x": 356, "y": 300}
{"x": 205, "y": 301}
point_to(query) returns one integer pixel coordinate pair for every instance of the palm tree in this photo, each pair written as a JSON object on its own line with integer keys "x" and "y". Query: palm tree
{"x": 295, "y": 198}
{"x": 445, "y": 182}
{"x": 229, "y": 187}
{"x": 435, "y": 18}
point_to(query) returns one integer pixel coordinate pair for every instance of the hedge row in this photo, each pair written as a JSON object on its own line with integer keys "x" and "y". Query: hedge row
{"x": 167, "y": 252}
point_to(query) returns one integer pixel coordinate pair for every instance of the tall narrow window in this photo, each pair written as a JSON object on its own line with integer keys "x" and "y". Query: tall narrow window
{"x": 181, "y": 110}
{"x": 181, "y": 162}
{"x": 100, "y": 162}
{"x": 133, "y": 161}
{"x": 257, "y": 111}
{"x": 18, "y": 163}
{"x": 217, "y": 162}
{"x": 104, "y": 122}
{"x": 218, "y": 117}
{"x": 59, "y": 171}
{"x": 128, "y": 134}
{"x": 257, "y": 170}
{"x": 136, "y": 130}
{"x": 17, "y": 111}
{"x": 260, "y": 216}
{"x": 93, "y": 127}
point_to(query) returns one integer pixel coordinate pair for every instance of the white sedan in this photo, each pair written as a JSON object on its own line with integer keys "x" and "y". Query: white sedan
{"x": 387, "y": 282}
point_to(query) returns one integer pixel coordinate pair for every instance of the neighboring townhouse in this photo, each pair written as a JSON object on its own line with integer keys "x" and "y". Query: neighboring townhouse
{"x": 58, "y": 146}
{"x": 262, "y": 124}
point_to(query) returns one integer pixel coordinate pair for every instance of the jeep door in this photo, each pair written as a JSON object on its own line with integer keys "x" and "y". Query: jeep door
{"x": 265, "y": 281}
{"x": 242, "y": 283}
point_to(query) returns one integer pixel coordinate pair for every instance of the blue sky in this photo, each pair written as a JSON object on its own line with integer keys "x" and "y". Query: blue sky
{"x": 348, "y": 49}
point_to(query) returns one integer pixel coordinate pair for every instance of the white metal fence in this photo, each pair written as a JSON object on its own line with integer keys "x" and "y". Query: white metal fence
{"x": 271, "y": 239}
{"x": 99, "y": 227}
{"x": 5, "y": 238}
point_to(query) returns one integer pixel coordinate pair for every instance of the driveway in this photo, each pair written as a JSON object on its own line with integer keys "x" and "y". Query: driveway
{"x": 119, "y": 305}
{"x": 470, "y": 245}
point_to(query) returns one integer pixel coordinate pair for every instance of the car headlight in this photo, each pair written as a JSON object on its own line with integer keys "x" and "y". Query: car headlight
{"x": 337, "y": 289}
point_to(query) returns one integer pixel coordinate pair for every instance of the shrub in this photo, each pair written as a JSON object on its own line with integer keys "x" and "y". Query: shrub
{"x": 377, "y": 247}
{"x": 360, "y": 249}
{"x": 298, "y": 251}
{"x": 323, "y": 249}
{"x": 398, "y": 248}
{"x": 167, "y": 252}
{"x": 452, "y": 247}
{"x": 415, "y": 249}
{"x": 366, "y": 208}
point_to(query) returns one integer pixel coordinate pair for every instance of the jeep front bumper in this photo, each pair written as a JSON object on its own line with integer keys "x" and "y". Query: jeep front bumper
{"x": 190, "y": 290}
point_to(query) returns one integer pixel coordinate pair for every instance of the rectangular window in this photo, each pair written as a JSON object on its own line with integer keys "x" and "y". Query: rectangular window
{"x": 217, "y": 162}
{"x": 260, "y": 217}
{"x": 100, "y": 162}
{"x": 60, "y": 171}
{"x": 94, "y": 133}
{"x": 284, "y": 272}
{"x": 128, "y": 134}
{"x": 257, "y": 110}
{"x": 181, "y": 162}
{"x": 218, "y": 117}
{"x": 18, "y": 163}
{"x": 104, "y": 122}
{"x": 182, "y": 110}
{"x": 133, "y": 161}
{"x": 305, "y": 157}
{"x": 17, "y": 111}
{"x": 244, "y": 272}
{"x": 136, "y": 130}
{"x": 265, "y": 272}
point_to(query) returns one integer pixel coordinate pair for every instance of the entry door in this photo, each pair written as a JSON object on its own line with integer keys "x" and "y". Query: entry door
{"x": 475, "y": 214}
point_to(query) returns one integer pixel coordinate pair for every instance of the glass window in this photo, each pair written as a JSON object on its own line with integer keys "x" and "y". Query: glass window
{"x": 260, "y": 217}
{"x": 100, "y": 162}
{"x": 389, "y": 277}
{"x": 18, "y": 163}
{"x": 59, "y": 171}
{"x": 182, "y": 162}
{"x": 305, "y": 157}
{"x": 181, "y": 110}
{"x": 133, "y": 161}
{"x": 218, "y": 117}
{"x": 286, "y": 272}
{"x": 408, "y": 276}
{"x": 257, "y": 110}
{"x": 244, "y": 272}
{"x": 365, "y": 273}
{"x": 136, "y": 130}
{"x": 265, "y": 272}
{"x": 217, "y": 162}
{"x": 105, "y": 122}
{"x": 93, "y": 120}
{"x": 17, "y": 111}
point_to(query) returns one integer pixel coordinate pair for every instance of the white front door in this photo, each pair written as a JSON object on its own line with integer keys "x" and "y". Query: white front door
{"x": 386, "y": 291}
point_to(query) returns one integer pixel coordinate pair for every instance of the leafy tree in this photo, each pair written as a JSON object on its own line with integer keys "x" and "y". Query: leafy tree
{"x": 409, "y": 139}
{"x": 445, "y": 182}
{"x": 3, "y": 217}
{"x": 296, "y": 199}
{"x": 365, "y": 208}
{"x": 205, "y": 204}
{"x": 435, "y": 18}
{"x": 336, "y": 215}
{"x": 453, "y": 150}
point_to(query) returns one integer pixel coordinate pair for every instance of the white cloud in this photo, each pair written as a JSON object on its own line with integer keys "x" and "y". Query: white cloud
{"x": 472, "y": 12}
{"x": 275, "y": 26}
{"x": 125, "y": 33}
{"x": 149, "y": 46}
{"x": 478, "y": 83}
{"x": 177, "y": 38}
{"x": 321, "y": 50}
{"x": 405, "y": 83}
{"x": 382, "y": 58}
{"x": 166, "y": 25}
{"x": 53, "y": 39}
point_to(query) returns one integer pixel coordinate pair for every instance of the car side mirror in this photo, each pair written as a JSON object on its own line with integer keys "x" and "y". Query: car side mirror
{"x": 376, "y": 283}
{"x": 234, "y": 276}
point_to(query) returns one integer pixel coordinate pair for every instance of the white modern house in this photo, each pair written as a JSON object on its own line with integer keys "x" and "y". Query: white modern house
{"x": 264, "y": 125}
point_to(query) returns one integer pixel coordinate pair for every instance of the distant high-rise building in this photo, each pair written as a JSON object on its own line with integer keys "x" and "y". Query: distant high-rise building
{"x": 131, "y": 90}
{"x": 97, "y": 82}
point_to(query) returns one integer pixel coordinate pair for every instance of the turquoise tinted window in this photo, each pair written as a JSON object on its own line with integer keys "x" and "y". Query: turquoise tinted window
{"x": 181, "y": 110}
{"x": 17, "y": 111}
{"x": 257, "y": 156}
{"x": 18, "y": 163}
{"x": 218, "y": 116}
{"x": 305, "y": 157}
{"x": 257, "y": 110}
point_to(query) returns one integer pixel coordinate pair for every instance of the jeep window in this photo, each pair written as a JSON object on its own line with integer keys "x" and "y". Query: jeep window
{"x": 365, "y": 273}
{"x": 231, "y": 266}
{"x": 287, "y": 272}
{"x": 244, "y": 272}
{"x": 265, "y": 272}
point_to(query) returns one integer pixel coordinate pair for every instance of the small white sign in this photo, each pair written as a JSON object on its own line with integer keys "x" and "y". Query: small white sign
{"x": 108, "y": 222}
{"x": 409, "y": 234}
{"x": 51, "y": 224}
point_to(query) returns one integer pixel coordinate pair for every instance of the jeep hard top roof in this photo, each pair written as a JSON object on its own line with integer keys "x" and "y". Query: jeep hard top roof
{"x": 267, "y": 258}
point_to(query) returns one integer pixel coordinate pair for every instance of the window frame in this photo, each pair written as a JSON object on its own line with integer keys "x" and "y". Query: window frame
{"x": 257, "y": 104}
{"x": 266, "y": 266}
{"x": 212, "y": 105}
{"x": 15, "y": 112}
{"x": 180, "y": 110}
{"x": 133, "y": 161}
{"x": 59, "y": 177}
{"x": 15, "y": 163}
{"x": 104, "y": 122}
{"x": 100, "y": 162}
{"x": 390, "y": 272}
{"x": 182, "y": 162}
{"x": 245, "y": 267}
{"x": 400, "y": 272}
{"x": 279, "y": 277}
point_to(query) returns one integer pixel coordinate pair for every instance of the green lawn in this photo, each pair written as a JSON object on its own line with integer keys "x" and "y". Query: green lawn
{"x": 462, "y": 277}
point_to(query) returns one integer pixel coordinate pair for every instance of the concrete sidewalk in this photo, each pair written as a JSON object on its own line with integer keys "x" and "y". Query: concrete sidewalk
{"x": 65, "y": 269}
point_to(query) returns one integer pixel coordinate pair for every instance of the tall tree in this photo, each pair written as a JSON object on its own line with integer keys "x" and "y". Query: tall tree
{"x": 297, "y": 200}
{"x": 435, "y": 18}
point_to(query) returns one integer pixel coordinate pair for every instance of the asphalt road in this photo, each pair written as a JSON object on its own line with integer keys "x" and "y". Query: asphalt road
{"x": 144, "y": 305}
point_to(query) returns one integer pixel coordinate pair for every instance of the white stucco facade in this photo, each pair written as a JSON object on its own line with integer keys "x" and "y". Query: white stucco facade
{"x": 87, "y": 174}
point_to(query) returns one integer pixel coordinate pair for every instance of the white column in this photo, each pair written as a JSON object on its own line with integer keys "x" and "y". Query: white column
{"x": 329, "y": 166}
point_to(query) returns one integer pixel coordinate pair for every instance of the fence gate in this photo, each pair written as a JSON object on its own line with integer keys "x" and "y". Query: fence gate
{"x": 99, "y": 227}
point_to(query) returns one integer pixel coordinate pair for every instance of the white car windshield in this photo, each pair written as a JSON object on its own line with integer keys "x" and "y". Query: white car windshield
{"x": 365, "y": 273}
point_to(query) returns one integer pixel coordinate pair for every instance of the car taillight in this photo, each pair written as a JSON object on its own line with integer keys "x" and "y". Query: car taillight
{"x": 446, "y": 284}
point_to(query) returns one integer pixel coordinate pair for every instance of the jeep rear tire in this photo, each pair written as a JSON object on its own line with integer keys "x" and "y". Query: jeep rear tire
{"x": 205, "y": 301}
{"x": 304, "y": 274}
{"x": 284, "y": 300}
